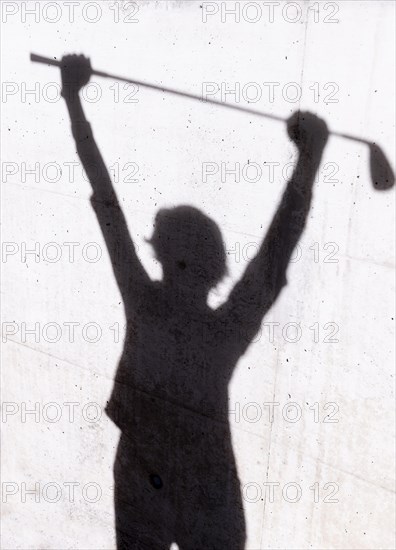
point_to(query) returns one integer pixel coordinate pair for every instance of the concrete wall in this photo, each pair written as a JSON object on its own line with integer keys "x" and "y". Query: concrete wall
{"x": 331, "y": 350}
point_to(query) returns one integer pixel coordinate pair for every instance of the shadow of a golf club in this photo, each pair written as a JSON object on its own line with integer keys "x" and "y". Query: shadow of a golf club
{"x": 382, "y": 175}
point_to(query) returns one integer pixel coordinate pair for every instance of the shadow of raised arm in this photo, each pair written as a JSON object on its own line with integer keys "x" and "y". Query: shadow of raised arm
{"x": 128, "y": 270}
{"x": 265, "y": 275}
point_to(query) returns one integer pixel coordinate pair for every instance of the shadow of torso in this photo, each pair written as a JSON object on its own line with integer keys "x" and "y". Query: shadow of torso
{"x": 175, "y": 473}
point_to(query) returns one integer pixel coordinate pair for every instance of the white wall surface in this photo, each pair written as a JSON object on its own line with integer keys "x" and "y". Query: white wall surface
{"x": 169, "y": 138}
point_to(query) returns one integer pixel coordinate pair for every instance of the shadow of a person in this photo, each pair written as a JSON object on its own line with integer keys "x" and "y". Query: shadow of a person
{"x": 175, "y": 474}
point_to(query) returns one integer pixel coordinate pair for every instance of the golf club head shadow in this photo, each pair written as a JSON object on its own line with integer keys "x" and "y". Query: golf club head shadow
{"x": 382, "y": 176}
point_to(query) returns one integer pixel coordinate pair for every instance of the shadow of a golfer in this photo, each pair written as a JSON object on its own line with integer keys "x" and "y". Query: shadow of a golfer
{"x": 175, "y": 473}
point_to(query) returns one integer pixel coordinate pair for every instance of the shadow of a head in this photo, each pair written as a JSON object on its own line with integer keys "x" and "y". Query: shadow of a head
{"x": 190, "y": 248}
